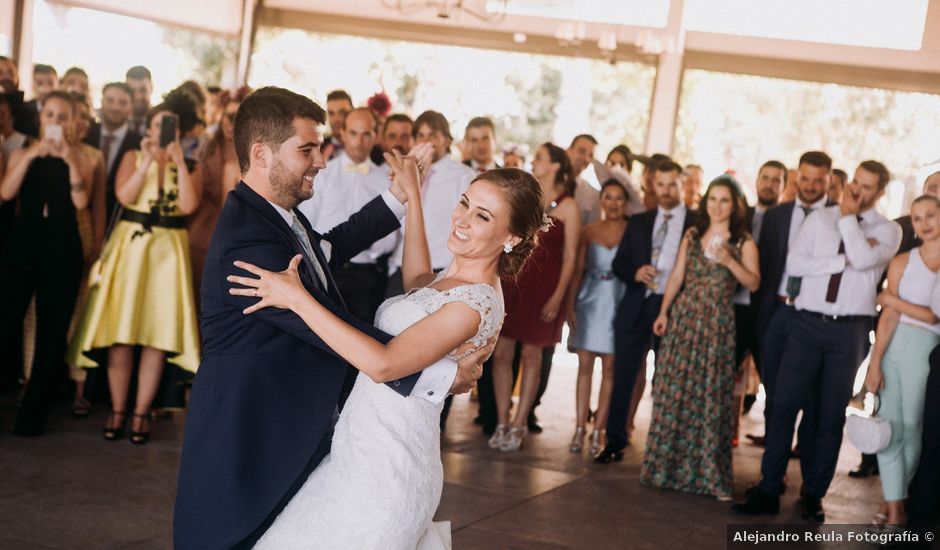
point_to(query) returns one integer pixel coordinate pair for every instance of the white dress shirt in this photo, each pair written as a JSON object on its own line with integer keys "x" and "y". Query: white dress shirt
{"x": 796, "y": 221}
{"x": 667, "y": 255}
{"x": 588, "y": 198}
{"x": 435, "y": 381}
{"x": 342, "y": 189}
{"x": 446, "y": 181}
{"x": 115, "y": 144}
{"x": 815, "y": 257}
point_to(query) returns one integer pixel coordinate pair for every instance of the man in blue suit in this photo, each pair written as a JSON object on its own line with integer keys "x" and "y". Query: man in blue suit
{"x": 264, "y": 401}
{"x": 644, "y": 260}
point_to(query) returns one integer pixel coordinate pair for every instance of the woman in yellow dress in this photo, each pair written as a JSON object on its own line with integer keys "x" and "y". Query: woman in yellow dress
{"x": 143, "y": 294}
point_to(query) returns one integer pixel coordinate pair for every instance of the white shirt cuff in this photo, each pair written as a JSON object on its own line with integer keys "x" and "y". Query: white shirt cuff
{"x": 435, "y": 381}
{"x": 394, "y": 204}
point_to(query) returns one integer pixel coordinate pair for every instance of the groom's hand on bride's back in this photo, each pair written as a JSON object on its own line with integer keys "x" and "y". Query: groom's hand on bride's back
{"x": 470, "y": 368}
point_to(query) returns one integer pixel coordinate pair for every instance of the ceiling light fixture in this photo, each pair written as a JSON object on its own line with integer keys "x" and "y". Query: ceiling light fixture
{"x": 489, "y": 11}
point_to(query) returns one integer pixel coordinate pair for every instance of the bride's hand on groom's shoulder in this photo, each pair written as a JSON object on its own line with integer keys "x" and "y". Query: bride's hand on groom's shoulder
{"x": 276, "y": 289}
{"x": 470, "y": 368}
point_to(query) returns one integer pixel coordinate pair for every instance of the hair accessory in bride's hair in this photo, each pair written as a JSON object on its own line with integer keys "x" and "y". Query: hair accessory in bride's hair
{"x": 546, "y": 223}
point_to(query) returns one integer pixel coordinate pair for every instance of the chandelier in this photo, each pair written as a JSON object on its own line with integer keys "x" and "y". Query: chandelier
{"x": 490, "y": 11}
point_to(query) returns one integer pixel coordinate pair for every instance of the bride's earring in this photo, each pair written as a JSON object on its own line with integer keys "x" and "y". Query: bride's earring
{"x": 507, "y": 248}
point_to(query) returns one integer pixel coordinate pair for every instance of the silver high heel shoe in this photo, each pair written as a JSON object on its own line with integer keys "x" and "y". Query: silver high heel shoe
{"x": 514, "y": 437}
{"x": 598, "y": 441}
{"x": 499, "y": 436}
{"x": 577, "y": 442}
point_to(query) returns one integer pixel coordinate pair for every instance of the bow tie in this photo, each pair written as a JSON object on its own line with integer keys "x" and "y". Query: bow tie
{"x": 362, "y": 168}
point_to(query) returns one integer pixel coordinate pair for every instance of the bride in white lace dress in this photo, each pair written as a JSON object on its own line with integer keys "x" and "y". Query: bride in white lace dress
{"x": 381, "y": 485}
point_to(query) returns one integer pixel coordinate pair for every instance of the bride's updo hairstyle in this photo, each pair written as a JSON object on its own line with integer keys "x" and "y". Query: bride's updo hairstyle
{"x": 524, "y": 196}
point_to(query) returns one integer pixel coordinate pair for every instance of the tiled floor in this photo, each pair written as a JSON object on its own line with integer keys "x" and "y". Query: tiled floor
{"x": 70, "y": 489}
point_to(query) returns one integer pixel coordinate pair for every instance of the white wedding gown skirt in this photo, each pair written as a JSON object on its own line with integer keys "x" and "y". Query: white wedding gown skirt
{"x": 381, "y": 484}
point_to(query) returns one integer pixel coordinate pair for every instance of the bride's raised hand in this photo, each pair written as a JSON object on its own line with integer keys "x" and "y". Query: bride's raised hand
{"x": 282, "y": 290}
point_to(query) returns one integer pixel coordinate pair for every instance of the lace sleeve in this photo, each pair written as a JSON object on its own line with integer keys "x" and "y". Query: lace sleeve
{"x": 484, "y": 300}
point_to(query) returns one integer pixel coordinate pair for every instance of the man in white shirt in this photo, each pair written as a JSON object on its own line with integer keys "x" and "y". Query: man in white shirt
{"x": 581, "y": 153}
{"x": 443, "y": 184}
{"x": 480, "y": 139}
{"x": 349, "y": 181}
{"x": 773, "y": 301}
{"x": 841, "y": 253}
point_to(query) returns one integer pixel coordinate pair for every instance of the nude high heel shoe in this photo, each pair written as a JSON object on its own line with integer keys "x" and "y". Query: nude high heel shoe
{"x": 598, "y": 441}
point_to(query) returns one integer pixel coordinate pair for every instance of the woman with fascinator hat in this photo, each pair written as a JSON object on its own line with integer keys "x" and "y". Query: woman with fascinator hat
{"x": 689, "y": 444}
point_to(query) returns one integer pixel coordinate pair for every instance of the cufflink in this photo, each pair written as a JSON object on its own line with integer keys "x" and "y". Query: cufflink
{"x": 430, "y": 393}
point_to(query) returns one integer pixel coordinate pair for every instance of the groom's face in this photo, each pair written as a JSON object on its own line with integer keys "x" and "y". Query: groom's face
{"x": 296, "y": 162}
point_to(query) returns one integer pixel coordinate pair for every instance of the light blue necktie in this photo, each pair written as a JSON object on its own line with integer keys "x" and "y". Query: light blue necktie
{"x": 301, "y": 234}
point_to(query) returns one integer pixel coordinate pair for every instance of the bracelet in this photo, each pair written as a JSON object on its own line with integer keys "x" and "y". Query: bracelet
{"x": 77, "y": 187}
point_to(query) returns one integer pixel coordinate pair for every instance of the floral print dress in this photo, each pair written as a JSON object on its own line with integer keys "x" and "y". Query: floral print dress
{"x": 689, "y": 443}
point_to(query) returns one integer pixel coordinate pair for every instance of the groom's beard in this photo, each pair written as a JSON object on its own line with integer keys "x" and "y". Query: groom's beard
{"x": 287, "y": 187}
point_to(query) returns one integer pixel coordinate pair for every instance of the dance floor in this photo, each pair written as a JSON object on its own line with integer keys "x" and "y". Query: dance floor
{"x": 71, "y": 489}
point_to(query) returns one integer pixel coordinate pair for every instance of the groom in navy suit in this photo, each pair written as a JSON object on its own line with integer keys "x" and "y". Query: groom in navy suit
{"x": 264, "y": 402}
{"x": 644, "y": 260}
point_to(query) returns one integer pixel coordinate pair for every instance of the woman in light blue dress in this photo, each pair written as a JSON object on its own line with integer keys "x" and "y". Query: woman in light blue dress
{"x": 595, "y": 293}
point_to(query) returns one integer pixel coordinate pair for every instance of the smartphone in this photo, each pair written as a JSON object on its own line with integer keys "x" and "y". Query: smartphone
{"x": 167, "y": 131}
{"x": 53, "y": 132}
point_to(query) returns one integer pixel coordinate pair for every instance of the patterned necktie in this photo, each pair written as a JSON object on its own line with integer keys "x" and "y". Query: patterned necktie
{"x": 107, "y": 141}
{"x": 362, "y": 168}
{"x": 659, "y": 239}
{"x": 794, "y": 283}
{"x": 301, "y": 234}
{"x": 832, "y": 291}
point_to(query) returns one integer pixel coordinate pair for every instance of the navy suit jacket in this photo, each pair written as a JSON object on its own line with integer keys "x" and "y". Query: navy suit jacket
{"x": 262, "y": 407}
{"x": 635, "y": 251}
{"x": 130, "y": 142}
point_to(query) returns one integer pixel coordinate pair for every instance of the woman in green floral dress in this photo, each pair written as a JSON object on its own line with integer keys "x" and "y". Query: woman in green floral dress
{"x": 689, "y": 444}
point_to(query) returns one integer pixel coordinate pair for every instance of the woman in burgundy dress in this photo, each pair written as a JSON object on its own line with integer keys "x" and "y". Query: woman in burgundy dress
{"x": 534, "y": 315}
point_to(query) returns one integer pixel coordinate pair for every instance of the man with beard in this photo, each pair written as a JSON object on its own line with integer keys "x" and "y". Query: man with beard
{"x": 396, "y": 135}
{"x": 769, "y": 186}
{"x": 113, "y": 135}
{"x": 262, "y": 408}
{"x": 141, "y": 84}
{"x": 588, "y": 197}
{"x": 840, "y": 253}
{"x": 774, "y": 298}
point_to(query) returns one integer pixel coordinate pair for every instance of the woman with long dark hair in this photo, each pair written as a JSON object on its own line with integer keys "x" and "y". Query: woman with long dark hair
{"x": 689, "y": 443}
{"x": 534, "y": 300}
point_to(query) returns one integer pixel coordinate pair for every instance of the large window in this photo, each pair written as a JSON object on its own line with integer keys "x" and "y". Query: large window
{"x": 532, "y": 98}
{"x": 735, "y": 122}
{"x": 869, "y": 23}
{"x": 106, "y": 45}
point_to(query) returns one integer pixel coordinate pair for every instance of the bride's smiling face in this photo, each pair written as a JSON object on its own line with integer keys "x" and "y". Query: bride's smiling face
{"x": 480, "y": 222}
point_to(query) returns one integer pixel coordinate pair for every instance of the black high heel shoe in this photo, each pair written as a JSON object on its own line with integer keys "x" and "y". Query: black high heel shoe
{"x": 608, "y": 455}
{"x": 115, "y": 433}
{"x": 141, "y": 437}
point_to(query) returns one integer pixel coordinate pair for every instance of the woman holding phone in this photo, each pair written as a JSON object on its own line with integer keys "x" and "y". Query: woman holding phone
{"x": 143, "y": 295}
{"x": 50, "y": 179}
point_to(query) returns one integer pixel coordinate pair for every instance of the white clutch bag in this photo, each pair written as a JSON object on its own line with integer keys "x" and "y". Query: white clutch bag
{"x": 866, "y": 431}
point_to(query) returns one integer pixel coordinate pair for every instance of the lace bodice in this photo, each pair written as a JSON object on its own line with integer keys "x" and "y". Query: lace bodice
{"x": 381, "y": 484}
{"x": 398, "y": 313}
